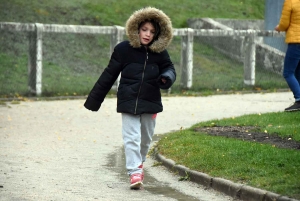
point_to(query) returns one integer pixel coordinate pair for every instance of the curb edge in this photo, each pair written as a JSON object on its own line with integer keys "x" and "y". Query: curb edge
{"x": 235, "y": 190}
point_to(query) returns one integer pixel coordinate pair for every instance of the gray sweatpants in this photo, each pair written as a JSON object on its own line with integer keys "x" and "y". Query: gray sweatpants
{"x": 137, "y": 131}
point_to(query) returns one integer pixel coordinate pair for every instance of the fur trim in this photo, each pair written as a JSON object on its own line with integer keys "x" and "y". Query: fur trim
{"x": 166, "y": 34}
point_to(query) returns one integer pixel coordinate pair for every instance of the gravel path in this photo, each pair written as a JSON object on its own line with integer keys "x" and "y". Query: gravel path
{"x": 58, "y": 150}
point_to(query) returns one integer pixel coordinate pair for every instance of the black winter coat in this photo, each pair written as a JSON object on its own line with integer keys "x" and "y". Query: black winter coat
{"x": 141, "y": 72}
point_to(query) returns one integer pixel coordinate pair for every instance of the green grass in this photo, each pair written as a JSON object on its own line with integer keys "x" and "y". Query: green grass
{"x": 113, "y": 12}
{"x": 259, "y": 165}
{"x": 12, "y": 73}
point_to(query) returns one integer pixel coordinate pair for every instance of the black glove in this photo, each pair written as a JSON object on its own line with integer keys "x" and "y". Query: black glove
{"x": 162, "y": 85}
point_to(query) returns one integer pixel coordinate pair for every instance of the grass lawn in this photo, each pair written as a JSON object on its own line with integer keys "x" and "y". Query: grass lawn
{"x": 256, "y": 164}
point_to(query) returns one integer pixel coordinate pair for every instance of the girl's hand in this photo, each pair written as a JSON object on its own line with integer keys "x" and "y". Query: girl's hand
{"x": 277, "y": 28}
{"x": 163, "y": 80}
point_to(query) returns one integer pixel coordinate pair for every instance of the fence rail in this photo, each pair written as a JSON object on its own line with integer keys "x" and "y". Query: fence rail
{"x": 59, "y": 28}
{"x": 117, "y": 32}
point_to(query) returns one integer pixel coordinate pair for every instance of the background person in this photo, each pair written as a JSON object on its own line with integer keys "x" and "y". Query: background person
{"x": 290, "y": 23}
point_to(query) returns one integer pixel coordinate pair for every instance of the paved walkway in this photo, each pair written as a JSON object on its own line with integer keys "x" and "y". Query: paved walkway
{"x": 58, "y": 150}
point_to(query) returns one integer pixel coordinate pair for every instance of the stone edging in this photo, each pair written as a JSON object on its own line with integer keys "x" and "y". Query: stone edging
{"x": 235, "y": 190}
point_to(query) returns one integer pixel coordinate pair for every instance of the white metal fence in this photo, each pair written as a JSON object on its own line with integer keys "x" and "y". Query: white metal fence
{"x": 34, "y": 34}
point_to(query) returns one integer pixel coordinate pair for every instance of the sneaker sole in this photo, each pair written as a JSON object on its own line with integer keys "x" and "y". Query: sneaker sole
{"x": 136, "y": 185}
{"x": 292, "y": 110}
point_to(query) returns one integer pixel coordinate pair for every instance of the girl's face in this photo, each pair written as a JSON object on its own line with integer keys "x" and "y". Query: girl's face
{"x": 146, "y": 33}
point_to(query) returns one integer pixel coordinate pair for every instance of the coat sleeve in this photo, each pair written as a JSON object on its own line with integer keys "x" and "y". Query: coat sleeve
{"x": 285, "y": 18}
{"x": 167, "y": 71}
{"x": 104, "y": 83}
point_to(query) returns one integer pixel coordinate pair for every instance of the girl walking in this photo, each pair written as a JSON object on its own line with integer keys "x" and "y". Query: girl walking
{"x": 145, "y": 67}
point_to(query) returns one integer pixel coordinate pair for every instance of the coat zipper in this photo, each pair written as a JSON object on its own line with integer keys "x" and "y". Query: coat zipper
{"x": 137, "y": 98}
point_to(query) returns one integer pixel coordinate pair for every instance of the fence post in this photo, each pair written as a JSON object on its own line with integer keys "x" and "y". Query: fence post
{"x": 249, "y": 60}
{"x": 35, "y": 60}
{"x": 186, "y": 63}
{"x": 114, "y": 40}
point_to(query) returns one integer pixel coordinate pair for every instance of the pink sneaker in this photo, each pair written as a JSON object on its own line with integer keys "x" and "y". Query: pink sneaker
{"x": 141, "y": 166}
{"x": 136, "y": 181}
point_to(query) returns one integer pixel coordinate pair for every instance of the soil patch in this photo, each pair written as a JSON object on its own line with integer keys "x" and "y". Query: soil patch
{"x": 251, "y": 133}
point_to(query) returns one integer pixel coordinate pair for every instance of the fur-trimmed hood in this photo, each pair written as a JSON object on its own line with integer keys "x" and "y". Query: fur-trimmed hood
{"x": 147, "y": 13}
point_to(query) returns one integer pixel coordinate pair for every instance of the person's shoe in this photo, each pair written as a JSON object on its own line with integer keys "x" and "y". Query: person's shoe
{"x": 136, "y": 181}
{"x": 141, "y": 166}
{"x": 294, "y": 107}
